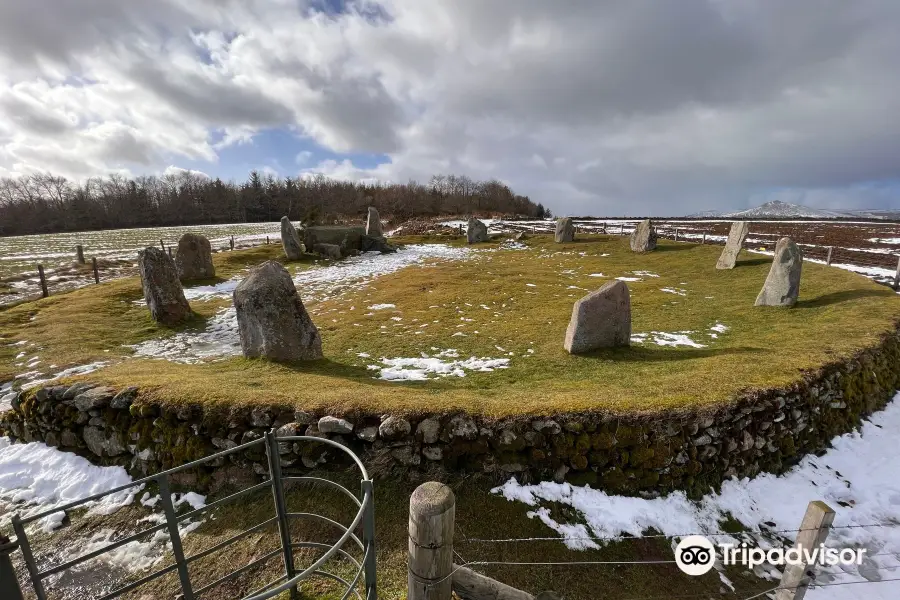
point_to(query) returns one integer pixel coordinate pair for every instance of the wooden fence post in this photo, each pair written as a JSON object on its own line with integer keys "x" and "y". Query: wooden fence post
{"x": 96, "y": 272}
{"x": 44, "y": 291}
{"x": 828, "y": 259}
{"x": 676, "y": 234}
{"x": 79, "y": 254}
{"x": 897, "y": 274}
{"x": 432, "y": 514}
{"x": 232, "y": 242}
{"x": 704, "y": 238}
{"x": 813, "y": 531}
{"x": 162, "y": 245}
{"x": 267, "y": 240}
{"x": 621, "y": 228}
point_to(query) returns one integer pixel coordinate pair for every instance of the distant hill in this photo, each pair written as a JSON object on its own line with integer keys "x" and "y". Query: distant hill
{"x": 706, "y": 214}
{"x": 776, "y": 209}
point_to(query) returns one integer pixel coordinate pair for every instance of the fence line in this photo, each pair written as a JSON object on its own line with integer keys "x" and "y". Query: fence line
{"x": 434, "y": 576}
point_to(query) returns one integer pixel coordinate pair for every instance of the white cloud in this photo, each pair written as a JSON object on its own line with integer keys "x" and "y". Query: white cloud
{"x": 589, "y": 107}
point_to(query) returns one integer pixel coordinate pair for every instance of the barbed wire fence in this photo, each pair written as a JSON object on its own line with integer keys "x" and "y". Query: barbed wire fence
{"x": 46, "y": 280}
{"x": 455, "y": 573}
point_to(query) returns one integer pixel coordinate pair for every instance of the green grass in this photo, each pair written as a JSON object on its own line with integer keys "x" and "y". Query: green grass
{"x": 839, "y": 313}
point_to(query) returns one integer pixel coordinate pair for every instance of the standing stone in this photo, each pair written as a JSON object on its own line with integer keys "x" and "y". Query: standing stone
{"x": 602, "y": 319}
{"x": 272, "y": 321}
{"x": 194, "y": 258}
{"x": 373, "y": 223}
{"x": 565, "y": 230}
{"x": 736, "y": 236}
{"x": 290, "y": 240}
{"x": 162, "y": 290}
{"x": 782, "y": 285}
{"x": 643, "y": 238}
{"x": 477, "y": 231}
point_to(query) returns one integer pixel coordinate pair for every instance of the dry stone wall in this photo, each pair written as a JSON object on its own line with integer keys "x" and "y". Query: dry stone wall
{"x": 765, "y": 430}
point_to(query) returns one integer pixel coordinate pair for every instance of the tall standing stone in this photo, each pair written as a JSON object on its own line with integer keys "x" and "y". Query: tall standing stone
{"x": 272, "y": 321}
{"x": 782, "y": 285}
{"x": 643, "y": 238}
{"x": 477, "y": 231}
{"x": 602, "y": 319}
{"x": 373, "y": 224}
{"x": 565, "y": 230}
{"x": 736, "y": 236}
{"x": 290, "y": 240}
{"x": 162, "y": 289}
{"x": 193, "y": 260}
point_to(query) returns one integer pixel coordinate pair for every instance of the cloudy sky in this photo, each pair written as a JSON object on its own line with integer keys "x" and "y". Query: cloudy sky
{"x": 599, "y": 107}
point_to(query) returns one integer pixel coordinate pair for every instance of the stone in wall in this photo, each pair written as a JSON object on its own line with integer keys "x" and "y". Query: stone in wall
{"x": 763, "y": 431}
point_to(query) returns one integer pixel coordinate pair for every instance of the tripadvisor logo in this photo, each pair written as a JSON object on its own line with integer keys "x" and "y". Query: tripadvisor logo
{"x": 696, "y": 555}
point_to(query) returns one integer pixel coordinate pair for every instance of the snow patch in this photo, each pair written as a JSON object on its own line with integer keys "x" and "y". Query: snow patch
{"x": 857, "y": 477}
{"x": 429, "y": 367}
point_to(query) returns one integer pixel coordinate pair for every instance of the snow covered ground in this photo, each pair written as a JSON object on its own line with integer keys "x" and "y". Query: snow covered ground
{"x": 35, "y": 478}
{"x": 857, "y": 477}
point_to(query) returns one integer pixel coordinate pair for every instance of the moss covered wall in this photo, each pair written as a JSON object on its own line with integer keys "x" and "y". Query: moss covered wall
{"x": 765, "y": 430}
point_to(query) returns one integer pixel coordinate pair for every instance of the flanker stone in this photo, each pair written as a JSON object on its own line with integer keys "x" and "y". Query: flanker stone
{"x": 162, "y": 289}
{"x": 193, "y": 260}
{"x": 290, "y": 240}
{"x": 602, "y": 319}
{"x": 565, "y": 230}
{"x": 782, "y": 285}
{"x": 272, "y": 321}
{"x": 643, "y": 238}
{"x": 373, "y": 223}
{"x": 477, "y": 231}
{"x": 736, "y": 236}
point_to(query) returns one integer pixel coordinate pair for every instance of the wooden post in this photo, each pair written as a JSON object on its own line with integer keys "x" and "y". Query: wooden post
{"x": 813, "y": 531}
{"x": 79, "y": 254}
{"x": 897, "y": 274}
{"x": 96, "y": 272}
{"x": 828, "y": 259}
{"x": 432, "y": 513}
{"x": 676, "y": 234}
{"x": 162, "y": 245}
{"x": 621, "y": 228}
{"x": 704, "y": 238}
{"x": 232, "y": 242}
{"x": 267, "y": 240}
{"x": 44, "y": 291}
{"x": 469, "y": 584}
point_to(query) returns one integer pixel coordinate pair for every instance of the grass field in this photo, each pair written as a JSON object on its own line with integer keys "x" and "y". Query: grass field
{"x": 499, "y": 303}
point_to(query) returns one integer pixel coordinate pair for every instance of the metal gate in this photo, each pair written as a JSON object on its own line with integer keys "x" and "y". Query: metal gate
{"x": 365, "y": 517}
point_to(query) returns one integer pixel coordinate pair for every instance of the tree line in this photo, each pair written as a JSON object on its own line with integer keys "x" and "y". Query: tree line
{"x": 44, "y": 203}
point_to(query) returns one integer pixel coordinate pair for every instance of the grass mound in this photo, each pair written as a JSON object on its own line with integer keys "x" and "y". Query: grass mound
{"x": 501, "y": 302}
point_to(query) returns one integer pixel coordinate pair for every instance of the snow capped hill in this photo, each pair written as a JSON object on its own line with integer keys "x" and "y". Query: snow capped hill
{"x": 705, "y": 214}
{"x": 777, "y": 209}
